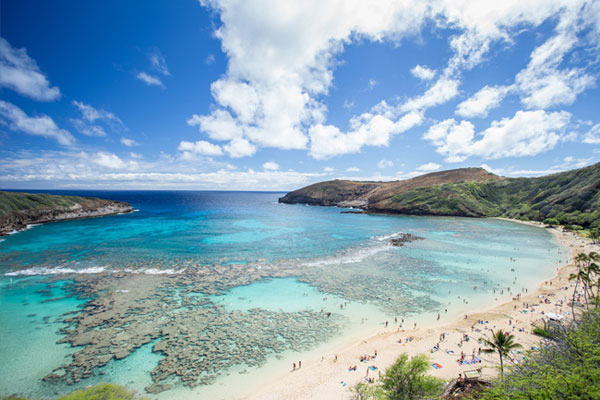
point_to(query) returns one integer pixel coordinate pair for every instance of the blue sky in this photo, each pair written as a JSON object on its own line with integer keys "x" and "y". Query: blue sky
{"x": 274, "y": 95}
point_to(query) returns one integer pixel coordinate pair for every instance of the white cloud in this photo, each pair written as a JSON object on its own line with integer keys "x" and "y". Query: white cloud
{"x": 239, "y": 147}
{"x": 352, "y": 169}
{"x": 486, "y": 99}
{"x": 21, "y": 73}
{"x": 28, "y": 169}
{"x": 150, "y": 80}
{"x": 385, "y": 164}
{"x": 89, "y": 115}
{"x": 366, "y": 130}
{"x": 201, "y": 147}
{"x": 108, "y": 160}
{"x": 282, "y": 56}
{"x": 372, "y": 83}
{"x": 270, "y": 166}
{"x": 423, "y": 73}
{"x": 129, "y": 142}
{"x": 88, "y": 129}
{"x": 429, "y": 167}
{"x": 543, "y": 83}
{"x": 137, "y": 156}
{"x": 158, "y": 62}
{"x": 443, "y": 90}
{"x": 13, "y": 117}
{"x": 328, "y": 169}
{"x": 526, "y": 134}
{"x": 593, "y": 135}
{"x": 210, "y": 59}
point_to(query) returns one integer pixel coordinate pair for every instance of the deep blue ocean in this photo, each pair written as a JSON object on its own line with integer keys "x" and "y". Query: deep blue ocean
{"x": 320, "y": 256}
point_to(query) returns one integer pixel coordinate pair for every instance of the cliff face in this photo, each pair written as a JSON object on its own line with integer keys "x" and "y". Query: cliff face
{"x": 572, "y": 197}
{"x": 17, "y": 210}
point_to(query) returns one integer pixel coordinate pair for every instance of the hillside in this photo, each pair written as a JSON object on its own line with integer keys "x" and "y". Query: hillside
{"x": 572, "y": 197}
{"x": 17, "y": 210}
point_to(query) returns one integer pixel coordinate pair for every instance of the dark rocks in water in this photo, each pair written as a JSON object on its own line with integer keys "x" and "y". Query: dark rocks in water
{"x": 404, "y": 238}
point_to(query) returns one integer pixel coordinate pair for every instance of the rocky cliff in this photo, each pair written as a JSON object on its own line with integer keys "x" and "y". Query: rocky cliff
{"x": 17, "y": 210}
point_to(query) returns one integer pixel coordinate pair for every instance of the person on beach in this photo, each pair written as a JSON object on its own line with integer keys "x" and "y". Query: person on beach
{"x": 293, "y": 369}
{"x": 299, "y": 364}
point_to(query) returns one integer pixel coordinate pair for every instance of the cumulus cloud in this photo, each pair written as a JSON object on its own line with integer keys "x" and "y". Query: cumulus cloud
{"x": 385, "y": 164}
{"x": 108, "y": 160}
{"x": 16, "y": 120}
{"x": 270, "y": 166}
{"x": 20, "y": 73}
{"x": 527, "y": 133}
{"x": 368, "y": 129}
{"x": 201, "y": 147}
{"x": 429, "y": 167}
{"x": 281, "y": 60}
{"x": 150, "y": 80}
{"x": 423, "y": 73}
{"x": 352, "y": 169}
{"x": 482, "y": 102}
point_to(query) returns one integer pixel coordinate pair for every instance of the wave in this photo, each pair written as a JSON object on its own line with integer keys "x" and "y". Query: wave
{"x": 349, "y": 256}
{"x": 383, "y": 238}
{"x": 55, "y": 271}
{"x": 155, "y": 271}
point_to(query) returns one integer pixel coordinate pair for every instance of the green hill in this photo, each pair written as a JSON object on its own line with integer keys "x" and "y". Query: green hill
{"x": 19, "y": 209}
{"x": 572, "y": 197}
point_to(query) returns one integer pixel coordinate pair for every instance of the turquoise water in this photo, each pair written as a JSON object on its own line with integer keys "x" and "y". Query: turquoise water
{"x": 238, "y": 256}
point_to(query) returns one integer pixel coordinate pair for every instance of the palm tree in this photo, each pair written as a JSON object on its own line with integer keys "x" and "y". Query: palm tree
{"x": 502, "y": 344}
{"x": 580, "y": 277}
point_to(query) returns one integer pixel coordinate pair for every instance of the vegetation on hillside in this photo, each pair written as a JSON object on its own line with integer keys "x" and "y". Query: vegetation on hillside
{"x": 569, "y": 198}
{"x": 17, "y": 202}
{"x": 566, "y": 368}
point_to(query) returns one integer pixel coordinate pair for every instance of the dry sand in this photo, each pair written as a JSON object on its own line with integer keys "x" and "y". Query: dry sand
{"x": 326, "y": 378}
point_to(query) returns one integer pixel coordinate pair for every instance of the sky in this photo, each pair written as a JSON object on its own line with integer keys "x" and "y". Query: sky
{"x": 275, "y": 95}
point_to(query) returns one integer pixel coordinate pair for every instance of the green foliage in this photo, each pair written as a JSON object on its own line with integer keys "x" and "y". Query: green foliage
{"x": 13, "y": 202}
{"x": 502, "y": 344}
{"x": 404, "y": 380}
{"x": 567, "y": 198}
{"x": 569, "y": 368}
{"x": 541, "y": 332}
{"x": 103, "y": 391}
{"x": 551, "y": 221}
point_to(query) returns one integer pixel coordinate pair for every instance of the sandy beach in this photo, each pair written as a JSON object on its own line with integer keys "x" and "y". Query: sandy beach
{"x": 329, "y": 377}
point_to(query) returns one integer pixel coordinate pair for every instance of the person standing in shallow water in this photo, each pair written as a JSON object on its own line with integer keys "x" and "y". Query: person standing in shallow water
{"x": 294, "y": 367}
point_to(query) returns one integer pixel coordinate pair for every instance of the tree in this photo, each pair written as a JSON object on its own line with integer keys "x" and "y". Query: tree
{"x": 594, "y": 235}
{"x": 406, "y": 380}
{"x": 502, "y": 344}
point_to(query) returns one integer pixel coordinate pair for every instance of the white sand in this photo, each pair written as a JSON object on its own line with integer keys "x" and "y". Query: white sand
{"x": 325, "y": 378}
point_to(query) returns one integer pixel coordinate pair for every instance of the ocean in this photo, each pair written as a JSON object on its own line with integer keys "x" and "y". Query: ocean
{"x": 201, "y": 293}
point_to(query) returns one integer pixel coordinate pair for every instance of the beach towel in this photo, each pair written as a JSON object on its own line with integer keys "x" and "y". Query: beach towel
{"x": 450, "y": 351}
{"x": 372, "y": 367}
{"x": 438, "y": 365}
{"x": 434, "y": 365}
{"x": 477, "y": 359}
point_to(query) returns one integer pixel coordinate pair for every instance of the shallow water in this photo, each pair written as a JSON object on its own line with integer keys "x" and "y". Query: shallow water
{"x": 242, "y": 257}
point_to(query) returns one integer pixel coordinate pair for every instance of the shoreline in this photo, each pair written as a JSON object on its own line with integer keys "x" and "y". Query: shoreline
{"x": 329, "y": 379}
